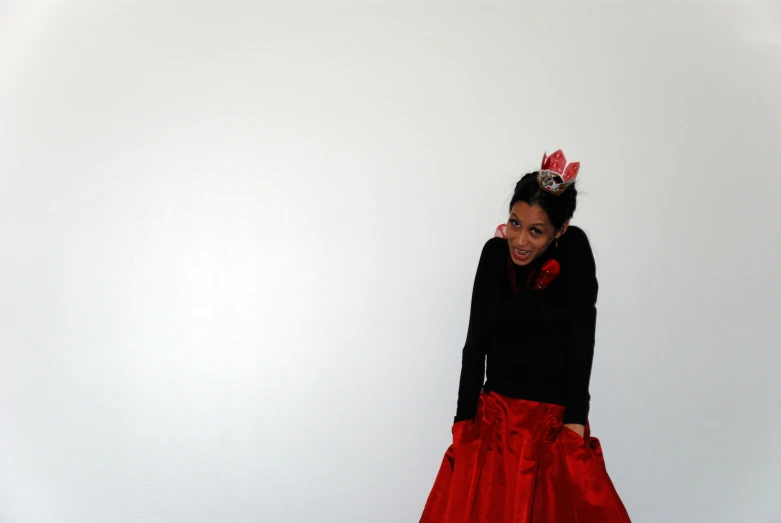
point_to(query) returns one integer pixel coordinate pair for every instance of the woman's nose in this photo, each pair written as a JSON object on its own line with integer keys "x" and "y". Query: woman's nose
{"x": 519, "y": 241}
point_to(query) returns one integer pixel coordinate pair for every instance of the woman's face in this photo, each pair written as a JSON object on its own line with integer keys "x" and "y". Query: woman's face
{"x": 529, "y": 232}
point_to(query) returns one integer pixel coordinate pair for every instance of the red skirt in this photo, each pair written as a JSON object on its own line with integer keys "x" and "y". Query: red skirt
{"x": 515, "y": 462}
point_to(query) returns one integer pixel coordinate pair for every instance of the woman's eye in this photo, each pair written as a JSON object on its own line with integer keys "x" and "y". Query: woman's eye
{"x": 514, "y": 223}
{"x": 536, "y": 232}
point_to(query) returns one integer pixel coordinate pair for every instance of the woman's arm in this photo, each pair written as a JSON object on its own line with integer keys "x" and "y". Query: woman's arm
{"x": 577, "y": 428}
{"x": 489, "y": 270}
{"x": 582, "y": 321}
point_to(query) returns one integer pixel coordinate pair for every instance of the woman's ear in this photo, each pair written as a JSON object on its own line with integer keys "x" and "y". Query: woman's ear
{"x": 563, "y": 229}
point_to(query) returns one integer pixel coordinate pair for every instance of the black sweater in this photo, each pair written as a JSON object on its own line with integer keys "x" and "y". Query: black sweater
{"x": 539, "y": 343}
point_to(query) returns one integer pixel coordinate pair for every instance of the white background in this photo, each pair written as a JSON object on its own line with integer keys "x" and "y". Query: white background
{"x": 237, "y": 245}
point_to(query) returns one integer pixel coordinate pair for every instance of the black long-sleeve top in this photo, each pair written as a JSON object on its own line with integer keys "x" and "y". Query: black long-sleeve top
{"x": 538, "y": 344}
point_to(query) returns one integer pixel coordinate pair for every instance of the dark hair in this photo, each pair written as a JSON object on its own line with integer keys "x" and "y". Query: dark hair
{"x": 558, "y": 208}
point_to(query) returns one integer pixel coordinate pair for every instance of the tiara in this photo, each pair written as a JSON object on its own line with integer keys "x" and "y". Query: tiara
{"x": 554, "y": 177}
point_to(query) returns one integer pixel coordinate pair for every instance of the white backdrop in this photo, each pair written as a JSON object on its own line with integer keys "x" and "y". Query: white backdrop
{"x": 237, "y": 244}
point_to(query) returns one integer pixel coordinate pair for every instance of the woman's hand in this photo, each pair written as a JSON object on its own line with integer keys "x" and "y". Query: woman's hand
{"x": 580, "y": 430}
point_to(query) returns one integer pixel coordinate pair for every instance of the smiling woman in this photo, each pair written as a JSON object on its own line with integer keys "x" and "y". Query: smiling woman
{"x": 522, "y": 448}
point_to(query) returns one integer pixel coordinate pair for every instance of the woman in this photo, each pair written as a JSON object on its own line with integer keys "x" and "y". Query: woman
{"x": 522, "y": 450}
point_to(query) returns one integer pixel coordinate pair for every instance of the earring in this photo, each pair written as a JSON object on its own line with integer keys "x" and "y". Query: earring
{"x": 556, "y": 244}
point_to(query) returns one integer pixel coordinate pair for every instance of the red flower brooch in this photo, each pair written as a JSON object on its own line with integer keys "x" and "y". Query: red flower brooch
{"x": 550, "y": 269}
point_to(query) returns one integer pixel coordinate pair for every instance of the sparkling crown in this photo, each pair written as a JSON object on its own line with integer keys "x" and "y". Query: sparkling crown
{"x": 555, "y": 175}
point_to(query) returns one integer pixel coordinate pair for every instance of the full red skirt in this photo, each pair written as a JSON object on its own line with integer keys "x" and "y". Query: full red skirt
{"x": 515, "y": 462}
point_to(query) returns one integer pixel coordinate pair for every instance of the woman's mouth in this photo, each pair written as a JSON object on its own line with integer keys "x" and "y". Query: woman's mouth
{"x": 520, "y": 254}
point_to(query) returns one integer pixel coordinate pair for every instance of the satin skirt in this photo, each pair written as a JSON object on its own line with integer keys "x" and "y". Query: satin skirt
{"x": 515, "y": 462}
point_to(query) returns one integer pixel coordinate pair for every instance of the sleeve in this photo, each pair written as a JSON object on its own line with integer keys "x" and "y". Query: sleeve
{"x": 478, "y": 335}
{"x": 582, "y": 320}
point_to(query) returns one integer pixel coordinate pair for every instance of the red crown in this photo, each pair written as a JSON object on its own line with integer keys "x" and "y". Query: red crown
{"x": 555, "y": 175}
